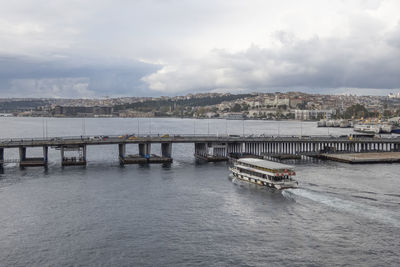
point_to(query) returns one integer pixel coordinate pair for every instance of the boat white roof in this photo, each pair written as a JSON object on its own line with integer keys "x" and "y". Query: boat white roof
{"x": 265, "y": 163}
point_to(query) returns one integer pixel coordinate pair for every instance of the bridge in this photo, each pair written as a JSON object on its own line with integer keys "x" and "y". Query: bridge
{"x": 207, "y": 147}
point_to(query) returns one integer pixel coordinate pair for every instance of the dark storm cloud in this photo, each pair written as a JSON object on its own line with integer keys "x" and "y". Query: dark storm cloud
{"x": 66, "y": 77}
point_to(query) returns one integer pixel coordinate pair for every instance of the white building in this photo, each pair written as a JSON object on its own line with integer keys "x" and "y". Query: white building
{"x": 393, "y": 95}
{"x": 313, "y": 114}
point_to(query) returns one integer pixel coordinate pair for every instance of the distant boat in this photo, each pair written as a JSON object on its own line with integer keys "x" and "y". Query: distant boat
{"x": 396, "y": 130}
{"x": 264, "y": 173}
{"x": 329, "y": 123}
{"x": 367, "y": 128}
{"x": 345, "y": 124}
{"x": 321, "y": 123}
{"x": 336, "y": 123}
{"x": 386, "y": 128}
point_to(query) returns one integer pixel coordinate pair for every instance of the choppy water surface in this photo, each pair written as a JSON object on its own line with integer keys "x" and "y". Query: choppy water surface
{"x": 189, "y": 213}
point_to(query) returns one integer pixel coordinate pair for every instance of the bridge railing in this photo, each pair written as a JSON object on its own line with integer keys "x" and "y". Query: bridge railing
{"x": 96, "y": 138}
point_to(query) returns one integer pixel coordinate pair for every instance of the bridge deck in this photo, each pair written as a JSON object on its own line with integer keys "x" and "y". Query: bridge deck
{"x": 87, "y": 140}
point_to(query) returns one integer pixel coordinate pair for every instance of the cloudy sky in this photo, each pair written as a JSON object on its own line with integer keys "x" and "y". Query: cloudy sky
{"x": 94, "y": 48}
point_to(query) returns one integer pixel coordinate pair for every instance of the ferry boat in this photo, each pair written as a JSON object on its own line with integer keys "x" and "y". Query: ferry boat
{"x": 367, "y": 128}
{"x": 395, "y": 130}
{"x": 264, "y": 173}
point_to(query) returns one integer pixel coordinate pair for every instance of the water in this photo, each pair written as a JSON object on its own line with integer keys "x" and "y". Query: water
{"x": 191, "y": 214}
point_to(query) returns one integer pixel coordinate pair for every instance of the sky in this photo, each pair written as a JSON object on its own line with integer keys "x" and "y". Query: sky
{"x": 97, "y": 48}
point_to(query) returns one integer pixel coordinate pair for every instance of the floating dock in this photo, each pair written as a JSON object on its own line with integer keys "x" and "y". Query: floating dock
{"x": 371, "y": 157}
{"x": 138, "y": 159}
{"x": 285, "y": 156}
{"x": 211, "y": 158}
{"x": 33, "y": 162}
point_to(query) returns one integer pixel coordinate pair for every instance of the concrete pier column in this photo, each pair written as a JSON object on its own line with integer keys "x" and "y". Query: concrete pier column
{"x": 84, "y": 151}
{"x": 148, "y": 148}
{"x": 1, "y": 158}
{"x": 45, "y": 155}
{"x": 121, "y": 150}
{"x": 62, "y": 153}
{"x": 121, "y": 153}
{"x": 22, "y": 153}
{"x": 166, "y": 150}
{"x": 142, "y": 151}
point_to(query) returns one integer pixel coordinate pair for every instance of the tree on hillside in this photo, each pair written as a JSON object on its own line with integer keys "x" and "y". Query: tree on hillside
{"x": 236, "y": 108}
{"x": 356, "y": 111}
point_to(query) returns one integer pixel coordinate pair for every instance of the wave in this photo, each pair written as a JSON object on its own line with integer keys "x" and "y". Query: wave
{"x": 359, "y": 209}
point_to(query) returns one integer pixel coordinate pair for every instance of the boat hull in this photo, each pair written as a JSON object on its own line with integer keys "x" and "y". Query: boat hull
{"x": 396, "y": 131}
{"x": 278, "y": 186}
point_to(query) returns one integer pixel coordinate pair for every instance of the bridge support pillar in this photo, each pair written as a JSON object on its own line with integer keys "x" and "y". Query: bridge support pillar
{"x": 121, "y": 153}
{"x": 22, "y": 153}
{"x": 73, "y": 161}
{"x": 201, "y": 151}
{"x": 166, "y": 150}
{"x": 45, "y": 155}
{"x": 84, "y": 150}
{"x": 141, "y": 149}
{"x": 144, "y": 149}
{"x": 24, "y": 161}
{"x": 1, "y": 159}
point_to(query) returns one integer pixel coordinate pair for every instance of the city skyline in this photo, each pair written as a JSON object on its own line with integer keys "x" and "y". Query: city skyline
{"x": 155, "y": 48}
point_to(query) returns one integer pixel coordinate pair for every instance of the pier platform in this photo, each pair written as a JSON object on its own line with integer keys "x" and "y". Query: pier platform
{"x": 73, "y": 162}
{"x": 284, "y": 156}
{"x": 33, "y": 162}
{"x": 372, "y": 157}
{"x": 211, "y": 158}
{"x": 138, "y": 159}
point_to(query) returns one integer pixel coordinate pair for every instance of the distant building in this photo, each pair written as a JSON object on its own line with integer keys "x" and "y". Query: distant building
{"x": 392, "y": 95}
{"x": 313, "y": 114}
{"x": 235, "y": 116}
{"x": 81, "y": 111}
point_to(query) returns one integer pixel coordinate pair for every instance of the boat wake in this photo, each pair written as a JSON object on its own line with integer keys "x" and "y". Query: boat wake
{"x": 359, "y": 209}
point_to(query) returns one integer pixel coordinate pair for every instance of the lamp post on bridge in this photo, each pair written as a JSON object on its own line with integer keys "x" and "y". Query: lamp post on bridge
{"x": 279, "y": 126}
{"x": 243, "y": 127}
{"x": 301, "y": 128}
